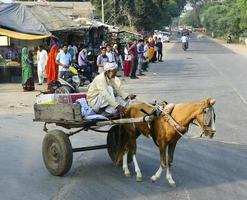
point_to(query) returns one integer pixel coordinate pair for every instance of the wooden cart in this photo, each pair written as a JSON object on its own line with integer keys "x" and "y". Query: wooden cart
{"x": 57, "y": 150}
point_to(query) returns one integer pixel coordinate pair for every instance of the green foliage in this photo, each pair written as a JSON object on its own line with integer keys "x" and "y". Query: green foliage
{"x": 191, "y": 19}
{"x": 227, "y": 17}
{"x": 142, "y": 14}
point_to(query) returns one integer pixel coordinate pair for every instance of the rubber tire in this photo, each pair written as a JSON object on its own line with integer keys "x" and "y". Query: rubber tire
{"x": 57, "y": 152}
{"x": 66, "y": 88}
{"x": 114, "y": 143}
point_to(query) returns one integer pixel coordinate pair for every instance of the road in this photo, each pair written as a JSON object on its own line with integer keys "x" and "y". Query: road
{"x": 203, "y": 169}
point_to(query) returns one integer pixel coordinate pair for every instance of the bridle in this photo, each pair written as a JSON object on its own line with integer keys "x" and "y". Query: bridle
{"x": 209, "y": 118}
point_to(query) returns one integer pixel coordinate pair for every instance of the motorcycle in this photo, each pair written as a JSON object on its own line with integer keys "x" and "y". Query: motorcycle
{"x": 229, "y": 40}
{"x": 84, "y": 72}
{"x": 69, "y": 82}
{"x": 185, "y": 46}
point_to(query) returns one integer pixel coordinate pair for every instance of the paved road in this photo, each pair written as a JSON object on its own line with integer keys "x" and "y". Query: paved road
{"x": 203, "y": 169}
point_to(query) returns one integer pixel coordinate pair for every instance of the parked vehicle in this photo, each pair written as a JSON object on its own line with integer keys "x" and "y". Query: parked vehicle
{"x": 70, "y": 82}
{"x": 166, "y": 36}
{"x": 84, "y": 74}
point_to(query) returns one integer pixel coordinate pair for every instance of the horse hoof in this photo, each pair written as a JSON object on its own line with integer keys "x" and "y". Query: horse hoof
{"x": 172, "y": 185}
{"x": 153, "y": 179}
{"x": 138, "y": 179}
{"x": 127, "y": 174}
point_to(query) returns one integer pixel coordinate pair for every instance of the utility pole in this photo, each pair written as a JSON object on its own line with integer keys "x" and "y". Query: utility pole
{"x": 115, "y": 12}
{"x": 102, "y": 11}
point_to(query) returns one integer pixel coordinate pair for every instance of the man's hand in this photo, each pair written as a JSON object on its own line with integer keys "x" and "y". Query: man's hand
{"x": 131, "y": 96}
{"x": 120, "y": 109}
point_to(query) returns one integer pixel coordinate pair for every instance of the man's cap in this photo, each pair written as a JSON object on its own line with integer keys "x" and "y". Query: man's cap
{"x": 110, "y": 66}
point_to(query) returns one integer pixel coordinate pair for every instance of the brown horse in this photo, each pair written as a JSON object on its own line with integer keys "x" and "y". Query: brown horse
{"x": 164, "y": 134}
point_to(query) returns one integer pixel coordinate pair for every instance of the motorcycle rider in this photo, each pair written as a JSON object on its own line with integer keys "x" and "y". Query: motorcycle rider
{"x": 184, "y": 40}
{"x": 229, "y": 39}
{"x": 84, "y": 63}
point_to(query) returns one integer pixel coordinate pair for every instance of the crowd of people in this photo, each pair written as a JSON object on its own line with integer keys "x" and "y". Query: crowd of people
{"x": 131, "y": 58}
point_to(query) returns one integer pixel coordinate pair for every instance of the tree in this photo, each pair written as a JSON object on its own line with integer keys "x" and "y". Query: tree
{"x": 142, "y": 14}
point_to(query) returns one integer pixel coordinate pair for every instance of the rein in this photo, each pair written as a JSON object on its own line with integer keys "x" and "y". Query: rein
{"x": 183, "y": 129}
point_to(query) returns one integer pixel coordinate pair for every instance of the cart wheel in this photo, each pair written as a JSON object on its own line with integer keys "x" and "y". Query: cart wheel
{"x": 57, "y": 152}
{"x": 114, "y": 143}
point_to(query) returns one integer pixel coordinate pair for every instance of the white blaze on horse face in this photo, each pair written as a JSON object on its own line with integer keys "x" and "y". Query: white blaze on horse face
{"x": 213, "y": 122}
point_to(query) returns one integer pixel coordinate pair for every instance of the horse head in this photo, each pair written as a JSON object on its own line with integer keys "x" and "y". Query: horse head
{"x": 206, "y": 117}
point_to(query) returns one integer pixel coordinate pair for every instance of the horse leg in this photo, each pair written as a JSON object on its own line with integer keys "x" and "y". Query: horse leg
{"x": 137, "y": 169}
{"x": 169, "y": 178}
{"x": 162, "y": 163}
{"x": 171, "y": 151}
{"x": 125, "y": 164}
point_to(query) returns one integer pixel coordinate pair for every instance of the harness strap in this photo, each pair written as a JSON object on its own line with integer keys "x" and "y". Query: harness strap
{"x": 173, "y": 123}
{"x": 152, "y": 133}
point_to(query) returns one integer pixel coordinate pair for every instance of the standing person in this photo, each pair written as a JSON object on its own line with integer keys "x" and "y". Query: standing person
{"x": 84, "y": 64}
{"x": 120, "y": 52}
{"x": 160, "y": 48}
{"x": 151, "y": 49}
{"x": 41, "y": 63}
{"x": 51, "y": 66}
{"x": 140, "y": 51}
{"x": 27, "y": 75}
{"x": 71, "y": 51}
{"x": 145, "y": 54}
{"x": 75, "y": 51}
{"x": 63, "y": 59}
{"x": 127, "y": 60}
{"x": 116, "y": 56}
{"x": 110, "y": 54}
{"x": 155, "y": 49}
{"x": 134, "y": 59}
{"x": 102, "y": 59}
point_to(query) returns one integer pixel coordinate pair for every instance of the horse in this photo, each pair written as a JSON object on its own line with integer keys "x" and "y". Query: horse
{"x": 164, "y": 133}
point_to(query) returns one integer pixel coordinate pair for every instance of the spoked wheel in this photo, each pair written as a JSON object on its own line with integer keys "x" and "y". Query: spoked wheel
{"x": 57, "y": 152}
{"x": 60, "y": 98}
{"x": 115, "y": 139}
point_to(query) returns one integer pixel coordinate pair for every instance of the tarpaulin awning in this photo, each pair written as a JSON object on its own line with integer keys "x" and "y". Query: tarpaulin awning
{"x": 52, "y": 18}
{"x": 18, "y": 18}
{"x": 22, "y": 36}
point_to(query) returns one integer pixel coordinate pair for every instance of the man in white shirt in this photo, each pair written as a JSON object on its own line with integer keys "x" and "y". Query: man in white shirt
{"x": 63, "y": 60}
{"x": 102, "y": 59}
{"x": 185, "y": 43}
{"x": 41, "y": 63}
{"x": 184, "y": 39}
{"x": 110, "y": 54}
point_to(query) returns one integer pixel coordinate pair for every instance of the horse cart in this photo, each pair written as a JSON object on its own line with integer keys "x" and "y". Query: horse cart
{"x": 57, "y": 150}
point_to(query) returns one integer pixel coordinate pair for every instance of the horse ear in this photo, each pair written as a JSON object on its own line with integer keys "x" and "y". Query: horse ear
{"x": 210, "y": 101}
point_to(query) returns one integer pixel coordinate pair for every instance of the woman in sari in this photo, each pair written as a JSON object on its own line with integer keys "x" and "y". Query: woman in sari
{"x": 51, "y": 66}
{"x": 151, "y": 49}
{"x": 27, "y": 71}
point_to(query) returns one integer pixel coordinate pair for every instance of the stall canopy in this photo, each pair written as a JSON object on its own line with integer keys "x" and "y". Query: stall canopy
{"x": 18, "y": 22}
{"x": 52, "y": 18}
{"x": 94, "y": 23}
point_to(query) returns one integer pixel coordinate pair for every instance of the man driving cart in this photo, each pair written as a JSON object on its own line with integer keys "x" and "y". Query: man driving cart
{"x": 105, "y": 94}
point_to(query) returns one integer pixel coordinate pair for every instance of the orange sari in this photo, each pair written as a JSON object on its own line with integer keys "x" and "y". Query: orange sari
{"x": 51, "y": 66}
